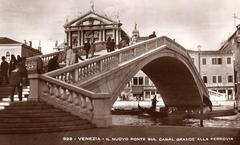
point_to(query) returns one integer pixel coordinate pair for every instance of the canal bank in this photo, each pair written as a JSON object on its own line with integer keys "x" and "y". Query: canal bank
{"x": 131, "y": 135}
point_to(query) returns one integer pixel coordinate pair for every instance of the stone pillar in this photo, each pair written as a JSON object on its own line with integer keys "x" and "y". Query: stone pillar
{"x": 78, "y": 39}
{"x": 100, "y": 35}
{"x": 82, "y": 43}
{"x": 117, "y": 37}
{"x": 102, "y": 113}
{"x": 104, "y": 35}
{"x": 35, "y": 87}
{"x": 69, "y": 38}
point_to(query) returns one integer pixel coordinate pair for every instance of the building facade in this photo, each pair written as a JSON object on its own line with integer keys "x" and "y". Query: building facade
{"x": 93, "y": 26}
{"x": 9, "y": 47}
{"x": 217, "y": 70}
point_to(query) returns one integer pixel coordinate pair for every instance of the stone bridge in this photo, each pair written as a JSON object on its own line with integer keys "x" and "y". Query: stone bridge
{"x": 90, "y": 88}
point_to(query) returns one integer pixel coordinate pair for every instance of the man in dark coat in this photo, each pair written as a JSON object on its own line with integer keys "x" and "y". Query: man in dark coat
{"x": 153, "y": 35}
{"x": 53, "y": 64}
{"x": 4, "y": 70}
{"x": 87, "y": 47}
{"x": 15, "y": 81}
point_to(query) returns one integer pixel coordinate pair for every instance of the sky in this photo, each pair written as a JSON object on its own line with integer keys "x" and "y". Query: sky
{"x": 189, "y": 22}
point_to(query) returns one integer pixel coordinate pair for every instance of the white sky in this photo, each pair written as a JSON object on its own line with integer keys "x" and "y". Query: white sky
{"x": 190, "y": 22}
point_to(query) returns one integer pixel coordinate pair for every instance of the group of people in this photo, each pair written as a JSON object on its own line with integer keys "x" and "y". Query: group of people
{"x": 110, "y": 44}
{"x": 14, "y": 73}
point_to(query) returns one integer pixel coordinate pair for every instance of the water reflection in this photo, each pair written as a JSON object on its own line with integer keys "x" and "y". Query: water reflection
{"x": 135, "y": 120}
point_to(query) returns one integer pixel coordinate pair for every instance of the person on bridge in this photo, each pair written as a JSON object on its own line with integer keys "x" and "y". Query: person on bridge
{"x": 12, "y": 64}
{"x": 112, "y": 45}
{"x": 4, "y": 70}
{"x": 87, "y": 47}
{"x": 108, "y": 44}
{"x": 53, "y": 64}
{"x": 16, "y": 81}
{"x": 93, "y": 48}
{"x": 153, "y": 35}
{"x": 69, "y": 55}
{"x": 154, "y": 103}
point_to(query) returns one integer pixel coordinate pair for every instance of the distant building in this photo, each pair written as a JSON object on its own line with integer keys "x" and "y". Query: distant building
{"x": 217, "y": 70}
{"x": 93, "y": 25}
{"x": 9, "y": 46}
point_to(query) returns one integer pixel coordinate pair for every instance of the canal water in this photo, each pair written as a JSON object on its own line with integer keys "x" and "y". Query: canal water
{"x": 136, "y": 120}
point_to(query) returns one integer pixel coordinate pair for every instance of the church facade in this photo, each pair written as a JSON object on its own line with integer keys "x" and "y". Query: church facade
{"x": 94, "y": 27}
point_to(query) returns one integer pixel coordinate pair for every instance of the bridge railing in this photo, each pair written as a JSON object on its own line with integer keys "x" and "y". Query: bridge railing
{"x": 82, "y": 71}
{"x": 70, "y": 98}
{"x": 31, "y": 62}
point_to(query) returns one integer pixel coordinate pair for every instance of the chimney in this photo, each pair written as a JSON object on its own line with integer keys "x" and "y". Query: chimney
{"x": 25, "y": 42}
{"x": 30, "y": 43}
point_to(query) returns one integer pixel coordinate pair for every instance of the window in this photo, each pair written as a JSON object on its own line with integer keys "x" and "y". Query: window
{"x": 214, "y": 79}
{"x": 230, "y": 79}
{"x": 205, "y": 79}
{"x": 216, "y": 60}
{"x": 135, "y": 81}
{"x": 229, "y": 60}
{"x": 8, "y": 56}
{"x": 204, "y": 62}
{"x": 219, "y": 61}
{"x": 146, "y": 81}
{"x": 140, "y": 80}
{"x": 192, "y": 60}
{"x": 220, "y": 79}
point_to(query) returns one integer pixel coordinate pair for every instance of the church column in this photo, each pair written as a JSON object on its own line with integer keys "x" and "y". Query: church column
{"x": 117, "y": 38}
{"x": 69, "y": 38}
{"x": 100, "y": 35}
{"x": 104, "y": 35}
{"x": 78, "y": 39}
{"x": 114, "y": 34}
{"x": 82, "y": 38}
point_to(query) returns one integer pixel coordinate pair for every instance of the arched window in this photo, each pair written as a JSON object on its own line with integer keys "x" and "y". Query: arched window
{"x": 8, "y": 56}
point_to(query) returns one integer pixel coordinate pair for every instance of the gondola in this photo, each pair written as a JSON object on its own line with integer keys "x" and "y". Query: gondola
{"x": 151, "y": 112}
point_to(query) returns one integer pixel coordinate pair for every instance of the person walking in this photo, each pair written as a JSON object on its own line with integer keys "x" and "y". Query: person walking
{"x": 93, "y": 48}
{"x": 154, "y": 103}
{"x": 15, "y": 82}
{"x": 53, "y": 64}
{"x": 153, "y": 35}
{"x": 12, "y": 64}
{"x": 108, "y": 44}
{"x": 87, "y": 47}
{"x": 4, "y": 70}
{"x": 112, "y": 45}
{"x": 69, "y": 54}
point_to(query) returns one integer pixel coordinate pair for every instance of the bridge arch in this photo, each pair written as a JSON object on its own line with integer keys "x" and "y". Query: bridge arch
{"x": 172, "y": 74}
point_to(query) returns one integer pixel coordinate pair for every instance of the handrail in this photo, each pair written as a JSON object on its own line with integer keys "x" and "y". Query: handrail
{"x": 31, "y": 62}
{"x": 76, "y": 89}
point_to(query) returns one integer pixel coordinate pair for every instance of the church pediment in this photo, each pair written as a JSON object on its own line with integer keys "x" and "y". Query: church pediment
{"x": 90, "y": 18}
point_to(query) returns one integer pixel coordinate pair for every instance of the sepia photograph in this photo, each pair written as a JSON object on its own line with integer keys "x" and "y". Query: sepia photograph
{"x": 125, "y": 72}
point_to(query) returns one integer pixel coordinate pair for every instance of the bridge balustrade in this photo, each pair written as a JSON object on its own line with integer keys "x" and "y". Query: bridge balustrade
{"x": 80, "y": 102}
{"x": 31, "y": 62}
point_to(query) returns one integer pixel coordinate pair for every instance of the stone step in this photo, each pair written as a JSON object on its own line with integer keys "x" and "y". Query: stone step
{"x": 44, "y": 129}
{"x": 30, "y": 111}
{"x": 33, "y": 115}
{"x": 14, "y": 99}
{"x": 39, "y": 120}
{"x": 43, "y": 124}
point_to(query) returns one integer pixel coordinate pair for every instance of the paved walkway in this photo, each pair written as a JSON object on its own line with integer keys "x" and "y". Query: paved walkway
{"x": 130, "y": 135}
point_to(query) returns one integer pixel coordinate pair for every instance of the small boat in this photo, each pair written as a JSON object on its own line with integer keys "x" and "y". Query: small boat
{"x": 152, "y": 112}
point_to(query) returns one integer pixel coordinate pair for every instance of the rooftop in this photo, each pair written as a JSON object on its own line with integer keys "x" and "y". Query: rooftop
{"x": 5, "y": 40}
